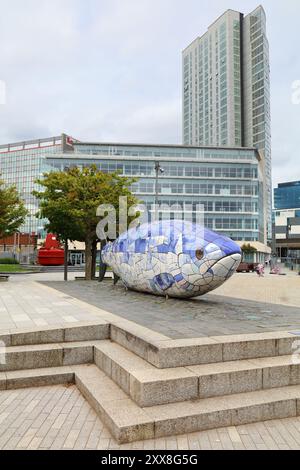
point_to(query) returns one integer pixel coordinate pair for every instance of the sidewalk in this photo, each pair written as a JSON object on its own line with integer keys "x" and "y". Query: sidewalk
{"x": 59, "y": 418}
{"x": 280, "y": 290}
{"x": 248, "y": 303}
{"x": 28, "y": 304}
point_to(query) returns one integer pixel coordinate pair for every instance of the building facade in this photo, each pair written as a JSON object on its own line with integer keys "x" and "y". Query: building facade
{"x": 226, "y": 88}
{"x": 286, "y": 221}
{"x": 224, "y": 185}
{"x": 22, "y": 163}
{"x": 287, "y": 195}
{"x": 287, "y": 233}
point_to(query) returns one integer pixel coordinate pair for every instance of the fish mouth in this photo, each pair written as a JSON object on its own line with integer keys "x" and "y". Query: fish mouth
{"x": 227, "y": 265}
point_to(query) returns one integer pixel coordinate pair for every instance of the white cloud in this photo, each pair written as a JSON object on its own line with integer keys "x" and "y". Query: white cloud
{"x": 141, "y": 124}
{"x": 111, "y": 69}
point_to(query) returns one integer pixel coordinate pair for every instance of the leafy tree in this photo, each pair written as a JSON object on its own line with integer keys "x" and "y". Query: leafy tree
{"x": 12, "y": 210}
{"x": 55, "y": 207}
{"x": 248, "y": 249}
{"x": 70, "y": 199}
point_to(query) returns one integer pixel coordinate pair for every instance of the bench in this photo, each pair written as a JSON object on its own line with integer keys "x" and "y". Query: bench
{"x": 4, "y": 278}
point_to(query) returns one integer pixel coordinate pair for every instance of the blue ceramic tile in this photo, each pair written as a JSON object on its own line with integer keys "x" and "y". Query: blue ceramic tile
{"x": 139, "y": 253}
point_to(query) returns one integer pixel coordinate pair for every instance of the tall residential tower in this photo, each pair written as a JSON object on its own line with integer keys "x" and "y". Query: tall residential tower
{"x": 226, "y": 89}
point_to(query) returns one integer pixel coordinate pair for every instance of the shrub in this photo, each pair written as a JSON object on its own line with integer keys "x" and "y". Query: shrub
{"x": 247, "y": 248}
{"x": 8, "y": 261}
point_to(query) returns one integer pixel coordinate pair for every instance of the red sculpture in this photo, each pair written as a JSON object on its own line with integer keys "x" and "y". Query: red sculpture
{"x": 52, "y": 254}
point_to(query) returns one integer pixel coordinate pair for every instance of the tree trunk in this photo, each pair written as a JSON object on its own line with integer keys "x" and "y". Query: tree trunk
{"x": 66, "y": 261}
{"x": 88, "y": 259}
{"x": 94, "y": 256}
{"x": 102, "y": 266}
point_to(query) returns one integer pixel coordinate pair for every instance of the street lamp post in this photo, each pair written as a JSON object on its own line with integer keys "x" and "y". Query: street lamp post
{"x": 29, "y": 238}
{"x": 158, "y": 170}
{"x": 66, "y": 247}
{"x": 15, "y": 244}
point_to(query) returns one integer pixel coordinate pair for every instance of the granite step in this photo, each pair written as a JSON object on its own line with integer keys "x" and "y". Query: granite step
{"x": 39, "y": 356}
{"x": 36, "y": 377}
{"x": 80, "y": 331}
{"x": 228, "y": 378}
{"x": 170, "y": 353}
{"x": 144, "y": 383}
{"x": 149, "y": 386}
{"x": 128, "y": 422}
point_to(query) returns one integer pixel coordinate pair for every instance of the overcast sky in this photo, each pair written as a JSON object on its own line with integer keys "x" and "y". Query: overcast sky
{"x": 110, "y": 70}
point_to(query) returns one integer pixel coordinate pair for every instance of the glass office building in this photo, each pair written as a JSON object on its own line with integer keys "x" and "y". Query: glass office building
{"x": 224, "y": 184}
{"x": 226, "y": 88}
{"x": 22, "y": 163}
{"x": 287, "y": 196}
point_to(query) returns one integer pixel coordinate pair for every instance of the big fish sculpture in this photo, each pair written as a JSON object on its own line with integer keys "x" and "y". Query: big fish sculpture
{"x": 172, "y": 258}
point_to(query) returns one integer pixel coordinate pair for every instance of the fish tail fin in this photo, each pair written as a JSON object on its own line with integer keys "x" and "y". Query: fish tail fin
{"x": 116, "y": 279}
{"x": 102, "y": 271}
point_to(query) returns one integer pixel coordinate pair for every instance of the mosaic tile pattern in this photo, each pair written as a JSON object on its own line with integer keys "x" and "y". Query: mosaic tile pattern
{"x": 172, "y": 257}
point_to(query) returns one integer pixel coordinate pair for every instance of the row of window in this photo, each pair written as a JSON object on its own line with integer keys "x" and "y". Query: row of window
{"x": 147, "y": 169}
{"x": 209, "y": 206}
{"x": 196, "y": 188}
{"x": 224, "y": 224}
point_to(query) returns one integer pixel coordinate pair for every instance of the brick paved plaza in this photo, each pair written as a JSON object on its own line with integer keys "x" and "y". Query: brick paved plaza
{"x": 228, "y": 310}
{"x": 59, "y": 417}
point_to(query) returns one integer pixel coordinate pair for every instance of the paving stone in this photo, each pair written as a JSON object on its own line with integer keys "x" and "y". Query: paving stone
{"x": 280, "y": 433}
{"x": 156, "y": 348}
{"x": 205, "y": 315}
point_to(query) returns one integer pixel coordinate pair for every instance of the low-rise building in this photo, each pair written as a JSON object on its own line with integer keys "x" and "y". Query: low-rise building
{"x": 287, "y": 233}
{"x": 225, "y": 184}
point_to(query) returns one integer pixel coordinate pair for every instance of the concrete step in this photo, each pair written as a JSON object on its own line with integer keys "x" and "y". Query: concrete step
{"x": 36, "y": 377}
{"x": 149, "y": 386}
{"x": 79, "y": 331}
{"x": 168, "y": 353}
{"x": 228, "y": 378}
{"x": 129, "y": 422}
{"x": 157, "y": 349}
{"x": 46, "y": 355}
{"x": 144, "y": 383}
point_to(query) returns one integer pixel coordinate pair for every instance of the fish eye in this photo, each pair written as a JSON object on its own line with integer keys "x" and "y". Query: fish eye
{"x": 199, "y": 254}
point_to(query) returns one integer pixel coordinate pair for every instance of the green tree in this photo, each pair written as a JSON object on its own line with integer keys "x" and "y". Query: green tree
{"x": 12, "y": 210}
{"x": 248, "y": 249}
{"x": 55, "y": 207}
{"x": 70, "y": 199}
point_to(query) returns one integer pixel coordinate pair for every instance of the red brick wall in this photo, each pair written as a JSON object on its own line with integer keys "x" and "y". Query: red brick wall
{"x": 19, "y": 239}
